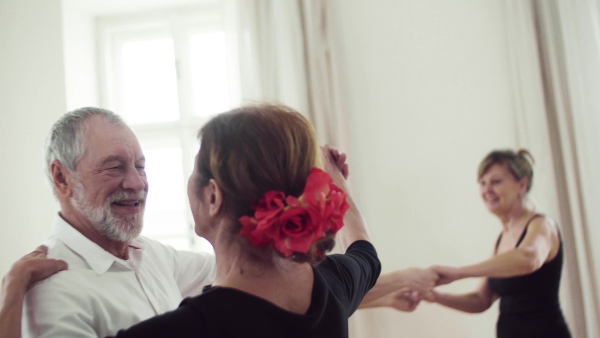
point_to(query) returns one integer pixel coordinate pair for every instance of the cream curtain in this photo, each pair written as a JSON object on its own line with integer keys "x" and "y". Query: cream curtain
{"x": 554, "y": 54}
{"x": 284, "y": 54}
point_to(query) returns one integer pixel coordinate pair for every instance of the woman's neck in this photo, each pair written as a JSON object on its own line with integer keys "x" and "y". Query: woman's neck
{"x": 237, "y": 265}
{"x": 282, "y": 282}
{"x": 517, "y": 217}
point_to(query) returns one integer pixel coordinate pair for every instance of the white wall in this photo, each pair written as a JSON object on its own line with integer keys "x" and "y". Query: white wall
{"x": 47, "y": 67}
{"x": 427, "y": 95}
{"x": 32, "y": 96}
{"x": 79, "y": 45}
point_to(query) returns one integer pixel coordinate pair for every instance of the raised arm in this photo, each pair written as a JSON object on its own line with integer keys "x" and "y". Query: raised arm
{"x": 540, "y": 245}
{"x": 355, "y": 227}
{"x": 26, "y": 271}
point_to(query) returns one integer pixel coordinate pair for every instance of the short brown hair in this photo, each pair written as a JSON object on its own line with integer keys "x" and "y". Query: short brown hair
{"x": 519, "y": 163}
{"x": 256, "y": 148}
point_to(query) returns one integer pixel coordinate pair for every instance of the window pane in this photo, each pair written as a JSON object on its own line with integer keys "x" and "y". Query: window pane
{"x": 209, "y": 73}
{"x": 165, "y": 216}
{"x": 149, "y": 87}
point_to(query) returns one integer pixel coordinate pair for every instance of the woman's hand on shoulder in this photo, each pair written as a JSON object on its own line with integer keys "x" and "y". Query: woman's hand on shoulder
{"x": 34, "y": 267}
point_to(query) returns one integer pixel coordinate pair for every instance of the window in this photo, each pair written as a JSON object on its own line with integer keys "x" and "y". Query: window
{"x": 167, "y": 74}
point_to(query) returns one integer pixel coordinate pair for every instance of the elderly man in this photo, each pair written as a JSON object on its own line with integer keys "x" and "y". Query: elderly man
{"x": 116, "y": 278}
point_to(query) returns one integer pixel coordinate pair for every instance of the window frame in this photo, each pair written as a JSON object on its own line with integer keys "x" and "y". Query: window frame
{"x": 180, "y": 24}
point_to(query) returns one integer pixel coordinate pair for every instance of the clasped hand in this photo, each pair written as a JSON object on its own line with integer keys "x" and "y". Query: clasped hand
{"x": 420, "y": 285}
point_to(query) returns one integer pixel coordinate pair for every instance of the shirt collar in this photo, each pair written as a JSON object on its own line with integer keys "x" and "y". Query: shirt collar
{"x": 96, "y": 257}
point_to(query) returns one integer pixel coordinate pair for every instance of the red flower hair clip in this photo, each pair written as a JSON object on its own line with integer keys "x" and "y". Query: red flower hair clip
{"x": 293, "y": 224}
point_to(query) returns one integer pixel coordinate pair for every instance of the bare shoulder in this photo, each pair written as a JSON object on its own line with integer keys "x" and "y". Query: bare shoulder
{"x": 543, "y": 230}
{"x": 543, "y": 224}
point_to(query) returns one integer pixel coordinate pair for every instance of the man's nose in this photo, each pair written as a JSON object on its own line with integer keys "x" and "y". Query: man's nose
{"x": 134, "y": 180}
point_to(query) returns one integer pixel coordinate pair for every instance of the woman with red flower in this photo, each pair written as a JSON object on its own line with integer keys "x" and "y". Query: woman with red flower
{"x": 258, "y": 195}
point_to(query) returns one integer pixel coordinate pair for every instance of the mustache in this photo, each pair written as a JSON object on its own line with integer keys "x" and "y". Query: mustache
{"x": 127, "y": 195}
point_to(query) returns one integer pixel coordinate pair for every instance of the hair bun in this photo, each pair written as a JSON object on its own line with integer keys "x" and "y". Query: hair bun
{"x": 525, "y": 154}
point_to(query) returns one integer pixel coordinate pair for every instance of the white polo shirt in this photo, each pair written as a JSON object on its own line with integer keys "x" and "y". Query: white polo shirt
{"x": 100, "y": 294}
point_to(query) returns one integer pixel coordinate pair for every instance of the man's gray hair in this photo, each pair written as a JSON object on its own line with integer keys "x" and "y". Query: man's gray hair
{"x": 66, "y": 142}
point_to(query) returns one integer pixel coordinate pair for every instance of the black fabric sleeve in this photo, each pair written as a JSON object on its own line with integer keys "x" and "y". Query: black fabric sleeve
{"x": 352, "y": 274}
{"x": 183, "y": 322}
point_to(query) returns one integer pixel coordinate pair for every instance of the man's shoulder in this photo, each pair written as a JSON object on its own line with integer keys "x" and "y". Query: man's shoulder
{"x": 78, "y": 273}
{"x": 65, "y": 287}
{"x": 154, "y": 247}
{"x": 59, "y": 250}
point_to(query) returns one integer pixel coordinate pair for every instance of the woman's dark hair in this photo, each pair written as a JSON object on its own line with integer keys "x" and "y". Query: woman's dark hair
{"x": 253, "y": 149}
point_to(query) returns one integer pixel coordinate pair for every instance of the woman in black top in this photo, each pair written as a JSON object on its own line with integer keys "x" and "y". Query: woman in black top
{"x": 526, "y": 267}
{"x": 257, "y": 195}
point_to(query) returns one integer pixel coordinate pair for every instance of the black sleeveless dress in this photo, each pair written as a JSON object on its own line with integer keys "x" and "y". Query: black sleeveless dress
{"x": 529, "y": 304}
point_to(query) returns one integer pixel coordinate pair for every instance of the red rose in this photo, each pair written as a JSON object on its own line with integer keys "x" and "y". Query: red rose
{"x": 270, "y": 205}
{"x": 329, "y": 199}
{"x": 317, "y": 184}
{"x": 294, "y": 224}
{"x": 300, "y": 228}
{"x": 261, "y": 228}
{"x": 249, "y": 231}
{"x": 336, "y": 209}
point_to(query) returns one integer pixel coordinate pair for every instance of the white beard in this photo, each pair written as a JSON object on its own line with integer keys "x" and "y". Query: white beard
{"x": 119, "y": 228}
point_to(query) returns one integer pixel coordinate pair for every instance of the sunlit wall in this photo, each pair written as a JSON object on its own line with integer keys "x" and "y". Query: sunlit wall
{"x": 427, "y": 96}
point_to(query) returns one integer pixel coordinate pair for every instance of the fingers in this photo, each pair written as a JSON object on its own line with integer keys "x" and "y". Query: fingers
{"x": 331, "y": 153}
{"x": 46, "y": 268}
{"x": 327, "y": 153}
{"x": 42, "y": 249}
{"x": 329, "y": 161}
{"x": 334, "y": 152}
{"x": 422, "y": 280}
{"x": 406, "y": 301}
{"x": 339, "y": 159}
{"x": 429, "y": 296}
{"x": 446, "y": 274}
{"x": 35, "y": 266}
{"x": 341, "y": 163}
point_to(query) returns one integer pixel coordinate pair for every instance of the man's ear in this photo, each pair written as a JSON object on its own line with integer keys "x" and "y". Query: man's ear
{"x": 62, "y": 179}
{"x": 214, "y": 197}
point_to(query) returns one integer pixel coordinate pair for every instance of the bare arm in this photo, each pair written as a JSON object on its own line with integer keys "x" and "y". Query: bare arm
{"x": 11, "y": 306}
{"x": 404, "y": 300}
{"x": 355, "y": 227}
{"x": 413, "y": 279}
{"x": 26, "y": 271}
{"x": 539, "y": 245}
{"x": 472, "y": 302}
